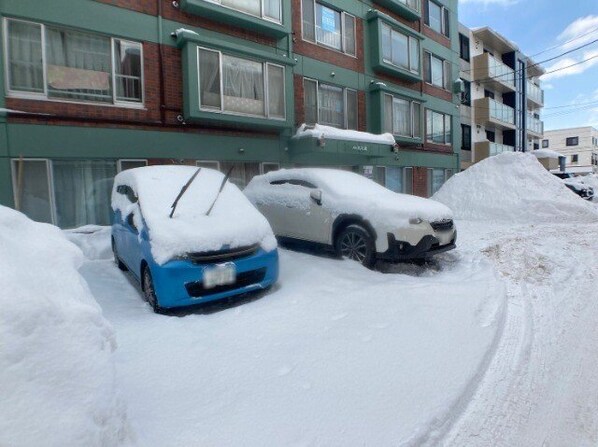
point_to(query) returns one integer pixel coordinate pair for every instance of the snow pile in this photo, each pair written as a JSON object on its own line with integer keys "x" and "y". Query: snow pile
{"x": 546, "y": 153}
{"x": 57, "y": 376}
{"x": 320, "y": 131}
{"x": 233, "y": 221}
{"x": 513, "y": 187}
{"x": 93, "y": 240}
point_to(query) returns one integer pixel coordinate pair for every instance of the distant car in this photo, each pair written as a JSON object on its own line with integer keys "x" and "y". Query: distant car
{"x": 358, "y": 218}
{"x": 576, "y": 185}
{"x": 215, "y": 245}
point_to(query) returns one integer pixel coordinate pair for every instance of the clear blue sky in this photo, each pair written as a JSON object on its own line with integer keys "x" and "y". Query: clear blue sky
{"x": 536, "y": 25}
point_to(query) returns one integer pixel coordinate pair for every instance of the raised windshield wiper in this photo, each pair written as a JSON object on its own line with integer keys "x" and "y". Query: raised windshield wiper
{"x": 183, "y": 189}
{"x": 220, "y": 190}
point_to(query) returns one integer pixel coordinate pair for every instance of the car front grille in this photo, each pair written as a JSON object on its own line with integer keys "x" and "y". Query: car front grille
{"x": 442, "y": 225}
{"x": 214, "y": 257}
{"x": 196, "y": 289}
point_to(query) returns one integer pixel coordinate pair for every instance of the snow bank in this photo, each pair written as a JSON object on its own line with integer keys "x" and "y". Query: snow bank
{"x": 233, "y": 222}
{"x": 57, "y": 376}
{"x": 320, "y": 131}
{"x": 93, "y": 240}
{"x": 513, "y": 187}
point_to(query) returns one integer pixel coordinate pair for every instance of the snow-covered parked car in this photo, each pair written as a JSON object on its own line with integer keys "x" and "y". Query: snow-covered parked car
{"x": 358, "y": 218}
{"x": 189, "y": 236}
{"x": 577, "y": 185}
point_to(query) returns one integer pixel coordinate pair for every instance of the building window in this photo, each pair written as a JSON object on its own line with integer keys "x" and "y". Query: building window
{"x": 437, "y": 71}
{"x": 56, "y": 63}
{"x": 438, "y": 127}
{"x": 465, "y": 137}
{"x": 466, "y": 93}
{"x": 572, "y": 141}
{"x": 241, "y": 173}
{"x": 240, "y": 86}
{"x": 464, "y": 47}
{"x": 436, "y": 178}
{"x": 575, "y": 158}
{"x": 330, "y": 105}
{"x": 266, "y": 9}
{"x": 123, "y": 165}
{"x": 400, "y": 50}
{"x": 437, "y": 18}
{"x": 399, "y": 179}
{"x": 328, "y": 27}
{"x": 402, "y": 117}
{"x": 545, "y": 143}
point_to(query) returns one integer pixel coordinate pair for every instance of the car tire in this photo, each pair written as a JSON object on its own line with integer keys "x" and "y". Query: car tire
{"x": 356, "y": 243}
{"x": 117, "y": 260}
{"x": 149, "y": 292}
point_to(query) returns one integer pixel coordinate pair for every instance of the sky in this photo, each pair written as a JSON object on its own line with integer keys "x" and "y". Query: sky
{"x": 539, "y": 25}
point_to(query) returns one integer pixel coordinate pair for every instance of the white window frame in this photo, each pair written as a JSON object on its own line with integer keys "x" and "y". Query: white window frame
{"x": 262, "y": 16}
{"x": 266, "y": 163}
{"x": 265, "y": 71}
{"x": 412, "y": 113}
{"x": 443, "y": 12}
{"x": 403, "y": 178}
{"x": 216, "y": 163}
{"x": 135, "y": 160}
{"x": 44, "y": 96}
{"x": 343, "y": 14}
{"x": 428, "y": 115}
{"x": 345, "y": 109}
{"x": 50, "y": 178}
{"x": 446, "y": 71}
{"x": 409, "y": 39}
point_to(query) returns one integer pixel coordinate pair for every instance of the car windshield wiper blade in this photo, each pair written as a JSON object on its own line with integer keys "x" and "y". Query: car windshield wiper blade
{"x": 220, "y": 190}
{"x": 183, "y": 189}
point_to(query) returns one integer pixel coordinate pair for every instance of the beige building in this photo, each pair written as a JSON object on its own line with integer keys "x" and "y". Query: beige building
{"x": 578, "y": 144}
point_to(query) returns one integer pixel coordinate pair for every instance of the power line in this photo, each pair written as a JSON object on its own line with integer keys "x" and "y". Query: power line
{"x": 565, "y": 43}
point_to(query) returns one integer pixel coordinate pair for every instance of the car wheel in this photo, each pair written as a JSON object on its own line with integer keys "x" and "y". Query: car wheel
{"x": 356, "y": 243}
{"x": 149, "y": 292}
{"x": 117, "y": 260}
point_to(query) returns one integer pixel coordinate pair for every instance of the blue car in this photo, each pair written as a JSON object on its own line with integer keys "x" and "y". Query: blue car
{"x": 189, "y": 236}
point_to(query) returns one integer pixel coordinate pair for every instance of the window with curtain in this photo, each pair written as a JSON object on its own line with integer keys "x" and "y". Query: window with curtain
{"x": 399, "y": 179}
{"x": 330, "y": 105}
{"x": 436, "y": 178}
{"x": 32, "y": 189}
{"x": 329, "y": 27}
{"x": 242, "y": 89}
{"x": 402, "y": 117}
{"x": 74, "y": 66}
{"x": 400, "y": 49}
{"x": 268, "y": 9}
{"x": 437, "y": 71}
{"x": 241, "y": 172}
{"x": 438, "y": 127}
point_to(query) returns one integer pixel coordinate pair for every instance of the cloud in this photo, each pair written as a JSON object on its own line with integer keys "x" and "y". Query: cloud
{"x": 583, "y": 26}
{"x": 566, "y": 67}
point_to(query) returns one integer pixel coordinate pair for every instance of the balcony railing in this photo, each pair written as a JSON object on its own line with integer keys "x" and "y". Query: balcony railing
{"x": 535, "y": 93}
{"x": 534, "y": 124}
{"x": 500, "y": 71}
{"x": 497, "y": 148}
{"x": 501, "y": 112}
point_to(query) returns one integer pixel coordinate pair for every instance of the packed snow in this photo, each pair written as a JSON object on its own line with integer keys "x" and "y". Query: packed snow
{"x": 333, "y": 133}
{"x": 513, "y": 187}
{"x": 57, "y": 372}
{"x": 233, "y": 221}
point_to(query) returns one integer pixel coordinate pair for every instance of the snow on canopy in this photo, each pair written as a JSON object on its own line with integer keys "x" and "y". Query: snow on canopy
{"x": 320, "y": 131}
{"x": 57, "y": 370}
{"x": 348, "y": 192}
{"x": 513, "y": 187}
{"x": 233, "y": 221}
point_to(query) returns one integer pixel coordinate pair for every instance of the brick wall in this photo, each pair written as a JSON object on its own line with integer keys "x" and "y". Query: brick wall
{"x": 420, "y": 181}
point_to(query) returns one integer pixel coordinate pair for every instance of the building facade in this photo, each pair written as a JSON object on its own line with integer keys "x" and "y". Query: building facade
{"x": 93, "y": 87}
{"x": 578, "y": 144}
{"x": 502, "y": 97}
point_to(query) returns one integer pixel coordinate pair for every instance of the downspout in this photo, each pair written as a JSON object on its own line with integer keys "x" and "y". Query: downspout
{"x": 161, "y": 65}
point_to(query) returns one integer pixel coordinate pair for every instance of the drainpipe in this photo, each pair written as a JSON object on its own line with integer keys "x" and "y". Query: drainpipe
{"x": 161, "y": 65}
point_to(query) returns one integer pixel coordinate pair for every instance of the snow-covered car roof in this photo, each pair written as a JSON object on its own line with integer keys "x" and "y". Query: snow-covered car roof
{"x": 351, "y": 193}
{"x": 233, "y": 222}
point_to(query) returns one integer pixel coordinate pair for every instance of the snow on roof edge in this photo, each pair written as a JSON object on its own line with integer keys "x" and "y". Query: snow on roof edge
{"x": 321, "y": 131}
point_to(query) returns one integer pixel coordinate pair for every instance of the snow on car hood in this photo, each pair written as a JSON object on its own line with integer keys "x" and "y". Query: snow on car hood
{"x": 233, "y": 222}
{"x": 345, "y": 192}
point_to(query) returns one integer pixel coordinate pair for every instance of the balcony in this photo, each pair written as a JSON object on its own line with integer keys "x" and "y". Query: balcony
{"x": 535, "y": 127}
{"x": 409, "y": 9}
{"x": 535, "y": 95}
{"x": 485, "y": 149}
{"x": 491, "y": 112}
{"x": 497, "y": 75}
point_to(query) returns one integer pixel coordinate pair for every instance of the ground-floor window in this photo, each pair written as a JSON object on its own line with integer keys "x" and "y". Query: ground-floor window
{"x": 436, "y": 178}
{"x": 123, "y": 165}
{"x": 241, "y": 172}
{"x": 395, "y": 178}
{"x": 210, "y": 164}
{"x": 269, "y": 167}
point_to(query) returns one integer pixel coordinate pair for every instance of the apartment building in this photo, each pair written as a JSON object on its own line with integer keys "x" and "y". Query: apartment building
{"x": 93, "y": 87}
{"x": 502, "y": 97}
{"x": 578, "y": 144}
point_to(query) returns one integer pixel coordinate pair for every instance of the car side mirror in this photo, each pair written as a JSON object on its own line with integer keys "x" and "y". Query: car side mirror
{"x": 130, "y": 222}
{"x": 316, "y": 196}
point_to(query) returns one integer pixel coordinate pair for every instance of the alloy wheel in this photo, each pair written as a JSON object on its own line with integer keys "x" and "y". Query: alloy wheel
{"x": 354, "y": 246}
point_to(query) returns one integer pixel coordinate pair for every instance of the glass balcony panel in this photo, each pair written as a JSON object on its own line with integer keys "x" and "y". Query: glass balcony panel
{"x": 497, "y": 148}
{"x": 501, "y": 112}
{"x": 412, "y": 4}
{"x": 535, "y": 93}
{"x": 534, "y": 124}
{"x": 501, "y": 72}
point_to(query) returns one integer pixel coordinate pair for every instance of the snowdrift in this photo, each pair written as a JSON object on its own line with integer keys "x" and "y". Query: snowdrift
{"x": 513, "y": 187}
{"x": 57, "y": 374}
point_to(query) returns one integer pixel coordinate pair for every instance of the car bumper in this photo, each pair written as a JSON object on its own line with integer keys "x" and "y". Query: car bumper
{"x": 179, "y": 283}
{"x": 427, "y": 246}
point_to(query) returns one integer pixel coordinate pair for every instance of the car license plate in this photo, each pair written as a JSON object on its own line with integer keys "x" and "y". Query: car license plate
{"x": 219, "y": 275}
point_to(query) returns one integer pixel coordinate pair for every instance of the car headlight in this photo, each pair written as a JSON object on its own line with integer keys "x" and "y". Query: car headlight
{"x": 415, "y": 221}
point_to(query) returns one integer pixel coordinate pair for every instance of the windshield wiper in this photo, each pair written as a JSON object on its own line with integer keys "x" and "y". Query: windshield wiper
{"x": 183, "y": 189}
{"x": 220, "y": 190}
